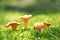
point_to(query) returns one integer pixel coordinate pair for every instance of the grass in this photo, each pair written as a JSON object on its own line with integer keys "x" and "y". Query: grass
{"x": 52, "y": 33}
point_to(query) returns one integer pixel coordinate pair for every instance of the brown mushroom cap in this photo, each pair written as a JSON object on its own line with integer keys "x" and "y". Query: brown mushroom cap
{"x": 12, "y": 23}
{"x": 46, "y": 24}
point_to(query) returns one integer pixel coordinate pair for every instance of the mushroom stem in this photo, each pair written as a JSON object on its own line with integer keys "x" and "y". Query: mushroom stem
{"x": 41, "y": 30}
{"x": 25, "y": 24}
{"x": 14, "y": 27}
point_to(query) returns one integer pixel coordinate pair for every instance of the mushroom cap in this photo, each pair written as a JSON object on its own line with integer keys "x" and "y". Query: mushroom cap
{"x": 25, "y": 17}
{"x": 14, "y": 23}
{"x": 38, "y": 25}
{"x": 46, "y": 24}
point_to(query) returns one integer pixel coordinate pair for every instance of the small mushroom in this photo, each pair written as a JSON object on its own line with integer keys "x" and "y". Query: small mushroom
{"x": 13, "y": 24}
{"x": 25, "y": 19}
{"x": 46, "y": 24}
{"x": 40, "y": 25}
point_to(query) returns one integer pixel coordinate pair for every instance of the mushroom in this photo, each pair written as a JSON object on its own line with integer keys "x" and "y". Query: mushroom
{"x": 46, "y": 24}
{"x": 25, "y": 19}
{"x": 40, "y": 25}
{"x": 13, "y": 24}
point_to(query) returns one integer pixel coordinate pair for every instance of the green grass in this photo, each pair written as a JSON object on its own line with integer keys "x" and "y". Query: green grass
{"x": 52, "y": 33}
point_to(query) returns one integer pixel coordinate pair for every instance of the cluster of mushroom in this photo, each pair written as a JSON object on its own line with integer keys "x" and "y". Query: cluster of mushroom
{"x": 14, "y": 24}
{"x": 40, "y": 25}
{"x": 25, "y": 19}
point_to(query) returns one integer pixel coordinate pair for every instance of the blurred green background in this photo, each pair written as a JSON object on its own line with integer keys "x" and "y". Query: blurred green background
{"x": 31, "y": 5}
